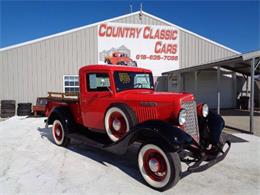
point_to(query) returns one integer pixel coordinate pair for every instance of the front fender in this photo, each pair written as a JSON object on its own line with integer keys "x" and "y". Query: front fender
{"x": 211, "y": 128}
{"x": 215, "y": 124}
{"x": 170, "y": 138}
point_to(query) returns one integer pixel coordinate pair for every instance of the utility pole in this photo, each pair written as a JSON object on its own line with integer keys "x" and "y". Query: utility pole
{"x": 131, "y": 8}
{"x": 141, "y": 11}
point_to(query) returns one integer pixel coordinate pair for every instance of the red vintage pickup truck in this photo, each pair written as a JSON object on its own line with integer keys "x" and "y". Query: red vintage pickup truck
{"x": 118, "y": 106}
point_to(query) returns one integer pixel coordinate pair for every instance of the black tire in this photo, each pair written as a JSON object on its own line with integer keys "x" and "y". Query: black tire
{"x": 153, "y": 169}
{"x": 63, "y": 140}
{"x": 25, "y": 105}
{"x": 5, "y": 102}
{"x": 6, "y": 115}
{"x": 7, "y": 112}
{"x": 24, "y": 109}
{"x": 8, "y": 106}
{"x": 23, "y": 113}
{"x": 126, "y": 118}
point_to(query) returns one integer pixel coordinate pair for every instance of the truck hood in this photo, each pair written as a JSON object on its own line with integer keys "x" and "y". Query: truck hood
{"x": 152, "y": 96}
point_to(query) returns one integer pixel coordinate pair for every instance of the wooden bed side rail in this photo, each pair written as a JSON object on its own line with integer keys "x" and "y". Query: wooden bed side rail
{"x": 60, "y": 95}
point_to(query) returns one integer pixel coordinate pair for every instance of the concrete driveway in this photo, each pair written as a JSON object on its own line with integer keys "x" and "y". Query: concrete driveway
{"x": 31, "y": 164}
{"x": 239, "y": 119}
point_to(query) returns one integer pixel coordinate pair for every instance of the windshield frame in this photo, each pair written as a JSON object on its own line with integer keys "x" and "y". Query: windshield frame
{"x": 137, "y": 72}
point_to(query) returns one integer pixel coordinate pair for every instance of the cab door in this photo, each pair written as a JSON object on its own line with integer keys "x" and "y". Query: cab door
{"x": 96, "y": 99}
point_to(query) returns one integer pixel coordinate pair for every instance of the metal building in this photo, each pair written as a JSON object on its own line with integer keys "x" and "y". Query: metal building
{"x": 31, "y": 69}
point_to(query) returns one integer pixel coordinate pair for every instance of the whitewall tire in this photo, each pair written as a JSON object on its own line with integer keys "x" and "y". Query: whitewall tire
{"x": 59, "y": 134}
{"x": 116, "y": 123}
{"x": 160, "y": 169}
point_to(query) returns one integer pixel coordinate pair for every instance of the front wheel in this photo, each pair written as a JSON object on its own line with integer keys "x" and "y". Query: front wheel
{"x": 118, "y": 120}
{"x": 161, "y": 170}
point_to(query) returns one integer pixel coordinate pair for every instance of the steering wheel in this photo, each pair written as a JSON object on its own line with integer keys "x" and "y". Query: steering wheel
{"x": 139, "y": 85}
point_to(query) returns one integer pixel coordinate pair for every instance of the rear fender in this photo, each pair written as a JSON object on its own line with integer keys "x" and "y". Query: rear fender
{"x": 169, "y": 137}
{"x": 61, "y": 113}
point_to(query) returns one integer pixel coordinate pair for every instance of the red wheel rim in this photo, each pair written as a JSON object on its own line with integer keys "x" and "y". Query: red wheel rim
{"x": 155, "y": 165}
{"x": 58, "y": 131}
{"x": 117, "y": 124}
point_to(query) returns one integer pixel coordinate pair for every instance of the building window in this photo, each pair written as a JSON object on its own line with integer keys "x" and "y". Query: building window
{"x": 70, "y": 83}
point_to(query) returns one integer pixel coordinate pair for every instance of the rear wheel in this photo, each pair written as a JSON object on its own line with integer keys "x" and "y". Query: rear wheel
{"x": 59, "y": 133}
{"x": 160, "y": 169}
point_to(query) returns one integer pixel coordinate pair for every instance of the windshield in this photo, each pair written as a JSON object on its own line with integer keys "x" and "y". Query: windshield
{"x": 133, "y": 80}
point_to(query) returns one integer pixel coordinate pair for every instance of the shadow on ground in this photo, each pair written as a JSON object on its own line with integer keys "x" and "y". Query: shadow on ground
{"x": 232, "y": 138}
{"x": 126, "y": 163}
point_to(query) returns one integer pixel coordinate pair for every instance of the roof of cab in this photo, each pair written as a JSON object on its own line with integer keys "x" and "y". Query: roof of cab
{"x": 106, "y": 67}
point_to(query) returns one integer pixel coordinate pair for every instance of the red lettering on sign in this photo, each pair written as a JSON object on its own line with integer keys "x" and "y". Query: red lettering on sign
{"x": 165, "y": 48}
{"x": 102, "y": 30}
{"x": 146, "y": 32}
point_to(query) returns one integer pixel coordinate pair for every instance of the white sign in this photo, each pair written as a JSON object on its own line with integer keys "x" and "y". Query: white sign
{"x": 147, "y": 46}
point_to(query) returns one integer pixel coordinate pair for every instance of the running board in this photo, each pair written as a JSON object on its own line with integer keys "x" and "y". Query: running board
{"x": 86, "y": 140}
{"x": 101, "y": 141}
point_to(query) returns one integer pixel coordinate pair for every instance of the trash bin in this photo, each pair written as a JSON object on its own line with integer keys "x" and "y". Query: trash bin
{"x": 244, "y": 102}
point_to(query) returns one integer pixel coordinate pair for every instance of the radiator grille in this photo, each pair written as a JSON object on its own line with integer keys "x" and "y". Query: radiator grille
{"x": 191, "y": 124}
{"x": 146, "y": 113}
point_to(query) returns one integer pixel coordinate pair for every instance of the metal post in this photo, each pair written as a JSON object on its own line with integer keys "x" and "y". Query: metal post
{"x": 246, "y": 85}
{"x": 234, "y": 76}
{"x": 196, "y": 84}
{"x": 180, "y": 82}
{"x": 218, "y": 89}
{"x": 252, "y": 95}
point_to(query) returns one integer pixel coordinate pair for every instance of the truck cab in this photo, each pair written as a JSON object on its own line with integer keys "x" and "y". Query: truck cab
{"x": 113, "y": 99}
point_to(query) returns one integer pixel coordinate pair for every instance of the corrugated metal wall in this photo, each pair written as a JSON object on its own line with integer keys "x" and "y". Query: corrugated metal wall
{"x": 32, "y": 70}
{"x": 196, "y": 51}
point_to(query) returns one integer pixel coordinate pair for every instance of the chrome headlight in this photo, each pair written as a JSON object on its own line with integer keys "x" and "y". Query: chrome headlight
{"x": 182, "y": 116}
{"x": 205, "y": 110}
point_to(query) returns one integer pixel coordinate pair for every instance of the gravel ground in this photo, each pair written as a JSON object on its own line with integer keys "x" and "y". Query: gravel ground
{"x": 31, "y": 164}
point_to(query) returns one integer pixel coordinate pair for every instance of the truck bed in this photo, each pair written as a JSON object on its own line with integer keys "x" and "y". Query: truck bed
{"x": 70, "y": 100}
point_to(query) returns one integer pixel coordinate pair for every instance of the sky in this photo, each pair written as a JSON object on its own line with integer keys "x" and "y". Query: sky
{"x": 235, "y": 24}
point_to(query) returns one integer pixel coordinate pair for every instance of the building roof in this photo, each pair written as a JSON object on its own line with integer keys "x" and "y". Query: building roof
{"x": 240, "y": 63}
{"x": 110, "y": 20}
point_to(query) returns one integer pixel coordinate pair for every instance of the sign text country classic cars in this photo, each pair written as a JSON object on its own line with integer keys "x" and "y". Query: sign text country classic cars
{"x": 147, "y": 46}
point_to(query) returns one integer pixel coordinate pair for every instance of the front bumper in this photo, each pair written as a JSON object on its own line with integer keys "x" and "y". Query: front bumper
{"x": 197, "y": 167}
{"x": 201, "y": 159}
